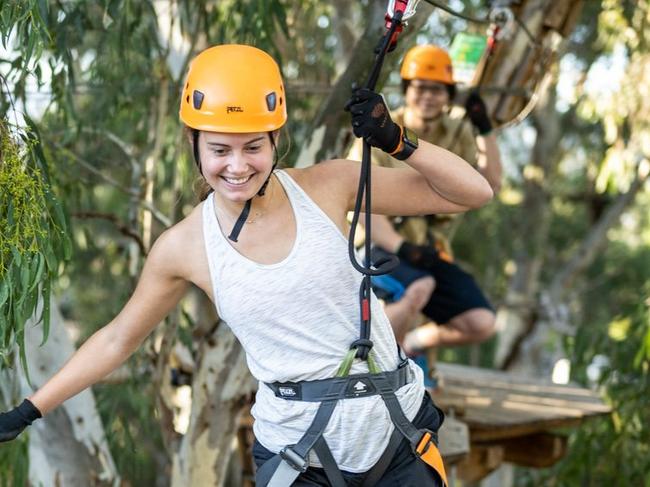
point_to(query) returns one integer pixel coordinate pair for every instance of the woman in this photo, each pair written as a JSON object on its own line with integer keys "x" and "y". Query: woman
{"x": 266, "y": 247}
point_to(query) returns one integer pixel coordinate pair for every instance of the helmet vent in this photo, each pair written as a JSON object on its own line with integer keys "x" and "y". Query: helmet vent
{"x": 271, "y": 100}
{"x": 197, "y": 99}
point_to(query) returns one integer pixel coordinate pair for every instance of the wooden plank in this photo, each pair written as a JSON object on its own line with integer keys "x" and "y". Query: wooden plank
{"x": 498, "y": 405}
{"x": 540, "y": 450}
{"x": 454, "y": 440}
{"x": 482, "y": 460}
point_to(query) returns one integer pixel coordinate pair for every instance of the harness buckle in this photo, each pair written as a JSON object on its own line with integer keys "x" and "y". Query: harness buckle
{"x": 294, "y": 460}
{"x": 428, "y": 438}
{"x": 427, "y": 451}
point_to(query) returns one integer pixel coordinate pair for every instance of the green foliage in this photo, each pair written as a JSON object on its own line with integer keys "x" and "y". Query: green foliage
{"x": 25, "y": 20}
{"x": 613, "y": 450}
{"x": 33, "y": 239}
{"x": 16, "y": 455}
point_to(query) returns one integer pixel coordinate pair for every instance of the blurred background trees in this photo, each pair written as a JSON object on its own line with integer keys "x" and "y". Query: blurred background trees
{"x": 89, "y": 129}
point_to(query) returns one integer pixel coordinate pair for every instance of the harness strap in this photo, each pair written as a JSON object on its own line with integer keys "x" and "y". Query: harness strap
{"x": 282, "y": 469}
{"x": 423, "y": 442}
{"x": 357, "y": 385}
{"x": 326, "y": 458}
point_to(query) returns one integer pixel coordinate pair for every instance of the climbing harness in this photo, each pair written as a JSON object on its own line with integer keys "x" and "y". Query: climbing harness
{"x": 282, "y": 469}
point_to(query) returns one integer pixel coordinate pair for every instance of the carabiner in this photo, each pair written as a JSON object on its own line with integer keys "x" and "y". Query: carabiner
{"x": 407, "y": 7}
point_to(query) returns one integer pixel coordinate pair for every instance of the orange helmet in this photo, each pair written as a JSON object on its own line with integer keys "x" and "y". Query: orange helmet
{"x": 235, "y": 89}
{"x": 427, "y": 62}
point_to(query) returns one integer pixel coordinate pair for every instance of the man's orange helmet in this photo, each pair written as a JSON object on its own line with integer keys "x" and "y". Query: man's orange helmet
{"x": 235, "y": 89}
{"x": 427, "y": 62}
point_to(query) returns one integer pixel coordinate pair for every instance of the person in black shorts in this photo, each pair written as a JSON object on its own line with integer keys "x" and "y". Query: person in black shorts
{"x": 421, "y": 242}
{"x": 456, "y": 301}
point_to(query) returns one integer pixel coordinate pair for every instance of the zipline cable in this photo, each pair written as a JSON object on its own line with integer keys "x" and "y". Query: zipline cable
{"x": 455, "y": 13}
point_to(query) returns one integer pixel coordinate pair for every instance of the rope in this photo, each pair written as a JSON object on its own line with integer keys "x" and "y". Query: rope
{"x": 455, "y": 13}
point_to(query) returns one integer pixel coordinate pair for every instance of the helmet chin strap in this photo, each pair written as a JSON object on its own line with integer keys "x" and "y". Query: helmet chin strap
{"x": 241, "y": 219}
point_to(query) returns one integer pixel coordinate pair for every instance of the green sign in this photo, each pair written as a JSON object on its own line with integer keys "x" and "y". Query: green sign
{"x": 466, "y": 51}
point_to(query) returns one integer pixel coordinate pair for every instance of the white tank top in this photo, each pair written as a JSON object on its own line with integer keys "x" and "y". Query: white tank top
{"x": 296, "y": 320}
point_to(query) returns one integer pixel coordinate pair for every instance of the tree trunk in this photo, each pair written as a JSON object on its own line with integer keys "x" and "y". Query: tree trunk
{"x": 68, "y": 446}
{"x": 220, "y": 388}
{"x": 521, "y": 61}
{"x": 516, "y": 318}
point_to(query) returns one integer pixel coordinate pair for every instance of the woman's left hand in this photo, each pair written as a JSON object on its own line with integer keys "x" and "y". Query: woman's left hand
{"x": 371, "y": 120}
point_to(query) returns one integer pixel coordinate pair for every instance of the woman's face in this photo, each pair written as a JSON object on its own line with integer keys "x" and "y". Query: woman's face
{"x": 426, "y": 99}
{"x": 236, "y": 165}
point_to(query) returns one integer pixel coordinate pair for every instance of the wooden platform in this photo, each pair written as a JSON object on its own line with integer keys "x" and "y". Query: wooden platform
{"x": 511, "y": 418}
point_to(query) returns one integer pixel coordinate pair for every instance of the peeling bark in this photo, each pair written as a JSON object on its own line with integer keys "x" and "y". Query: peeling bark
{"x": 68, "y": 446}
{"x": 220, "y": 388}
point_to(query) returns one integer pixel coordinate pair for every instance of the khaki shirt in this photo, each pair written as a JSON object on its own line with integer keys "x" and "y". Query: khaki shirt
{"x": 446, "y": 134}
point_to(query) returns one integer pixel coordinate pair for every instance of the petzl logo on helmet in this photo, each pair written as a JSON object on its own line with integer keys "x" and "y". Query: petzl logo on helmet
{"x": 234, "y": 109}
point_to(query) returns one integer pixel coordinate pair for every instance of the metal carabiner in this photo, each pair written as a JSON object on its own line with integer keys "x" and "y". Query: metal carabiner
{"x": 409, "y": 11}
{"x": 503, "y": 22}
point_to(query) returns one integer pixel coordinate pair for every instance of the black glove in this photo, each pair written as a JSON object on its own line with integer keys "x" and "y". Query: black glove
{"x": 371, "y": 120}
{"x": 16, "y": 420}
{"x": 422, "y": 256}
{"x": 477, "y": 113}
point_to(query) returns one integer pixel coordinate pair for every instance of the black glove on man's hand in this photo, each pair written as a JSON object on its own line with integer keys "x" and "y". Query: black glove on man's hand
{"x": 422, "y": 256}
{"x": 371, "y": 120}
{"x": 16, "y": 420}
{"x": 477, "y": 113}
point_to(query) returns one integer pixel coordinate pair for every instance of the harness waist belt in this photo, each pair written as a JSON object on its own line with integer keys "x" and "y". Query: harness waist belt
{"x": 357, "y": 385}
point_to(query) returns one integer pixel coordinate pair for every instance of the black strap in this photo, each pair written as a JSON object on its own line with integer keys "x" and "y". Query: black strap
{"x": 352, "y": 386}
{"x": 282, "y": 469}
{"x": 401, "y": 422}
{"x": 332, "y": 470}
{"x": 234, "y": 235}
{"x": 195, "y": 149}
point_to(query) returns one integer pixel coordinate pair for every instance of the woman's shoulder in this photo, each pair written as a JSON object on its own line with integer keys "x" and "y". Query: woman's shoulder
{"x": 181, "y": 242}
{"x": 325, "y": 174}
{"x": 330, "y": 184}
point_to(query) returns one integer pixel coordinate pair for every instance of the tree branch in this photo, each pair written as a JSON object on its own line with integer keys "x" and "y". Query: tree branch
{"x": 160, "y": 217}
{"x": 595, "y": 239}
{"x": 123, "y": 229}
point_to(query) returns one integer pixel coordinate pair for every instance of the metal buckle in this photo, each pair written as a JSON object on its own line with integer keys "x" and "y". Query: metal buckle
{"x": 294, "y": 460}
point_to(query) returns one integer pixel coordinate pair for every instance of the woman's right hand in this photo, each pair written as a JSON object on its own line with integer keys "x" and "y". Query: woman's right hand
{"x": 15, "y": 421}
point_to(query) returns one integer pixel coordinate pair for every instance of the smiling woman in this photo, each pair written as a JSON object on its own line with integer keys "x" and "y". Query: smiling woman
{"x": 273, "y": 281}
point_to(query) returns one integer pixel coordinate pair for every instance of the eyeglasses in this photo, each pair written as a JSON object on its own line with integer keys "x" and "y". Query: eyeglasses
{"x": 435, "y": 90}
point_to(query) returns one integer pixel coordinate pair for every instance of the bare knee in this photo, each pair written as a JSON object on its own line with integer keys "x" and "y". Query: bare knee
{"x": 476, "y": 324}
